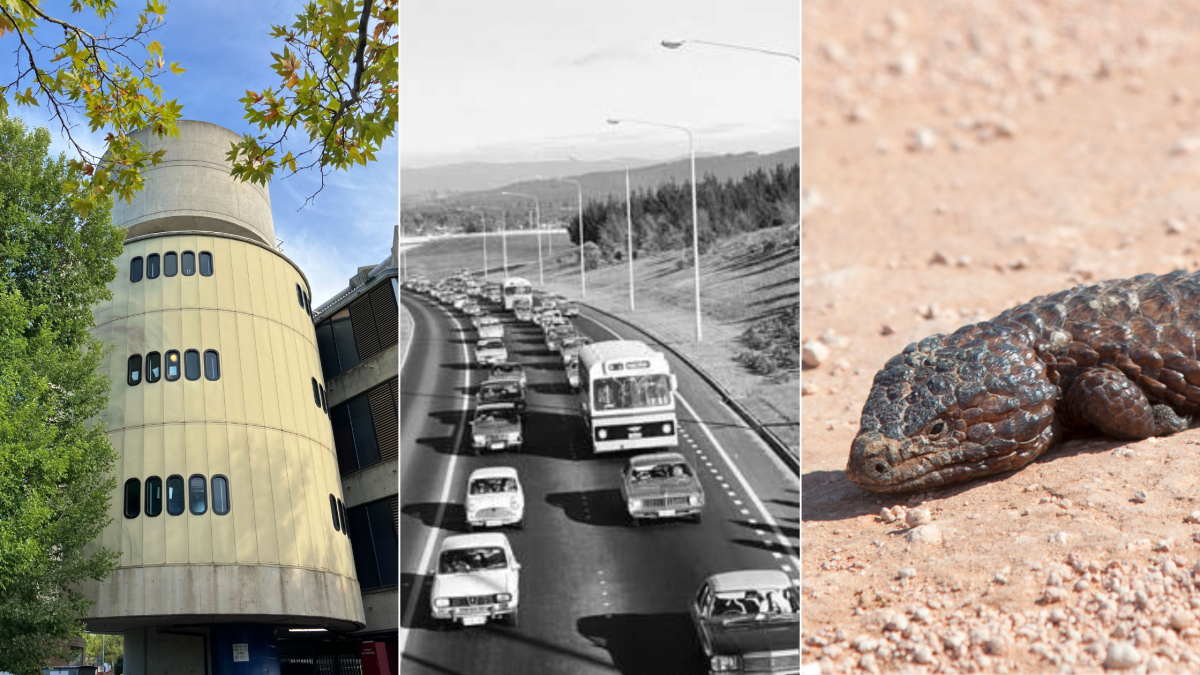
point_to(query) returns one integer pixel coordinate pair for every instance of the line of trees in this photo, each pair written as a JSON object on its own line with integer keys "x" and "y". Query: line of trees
{"x": 662, "y": 216}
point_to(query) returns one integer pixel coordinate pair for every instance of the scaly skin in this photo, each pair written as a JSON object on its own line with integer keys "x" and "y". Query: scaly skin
{"x": 1117, "y": 358}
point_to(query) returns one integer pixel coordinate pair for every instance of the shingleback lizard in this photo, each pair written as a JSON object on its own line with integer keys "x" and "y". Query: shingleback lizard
{"x": 1118, "y": 358}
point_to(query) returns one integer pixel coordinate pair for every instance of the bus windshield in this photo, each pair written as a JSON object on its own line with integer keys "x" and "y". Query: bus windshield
{"x": 634, "y": 391}
{"x": 517, "y": 290}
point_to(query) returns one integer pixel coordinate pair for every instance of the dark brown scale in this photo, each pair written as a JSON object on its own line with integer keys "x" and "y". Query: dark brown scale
{"x": 1116, "y": 358}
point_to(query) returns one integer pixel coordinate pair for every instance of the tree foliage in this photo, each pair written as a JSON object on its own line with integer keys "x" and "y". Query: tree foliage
{"x": 55, "y": 480}
{"x": 339, "y": 85}
{"x": 662, "y": 216}
{"x": 96, "y": 78}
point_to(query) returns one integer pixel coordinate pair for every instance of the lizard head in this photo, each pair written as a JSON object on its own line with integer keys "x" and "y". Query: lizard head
{"x": 952, "y": 408}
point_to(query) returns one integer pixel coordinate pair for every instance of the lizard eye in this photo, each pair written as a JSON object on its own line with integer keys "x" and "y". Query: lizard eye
{"x": 937, "y": 428}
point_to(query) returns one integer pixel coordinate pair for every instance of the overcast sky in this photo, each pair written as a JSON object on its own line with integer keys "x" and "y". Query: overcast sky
{"x": 528, "y": 80}
{"x": 226, "y": 49}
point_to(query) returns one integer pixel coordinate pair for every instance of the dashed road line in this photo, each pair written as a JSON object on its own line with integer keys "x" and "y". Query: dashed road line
{"x": 431, "y": 537}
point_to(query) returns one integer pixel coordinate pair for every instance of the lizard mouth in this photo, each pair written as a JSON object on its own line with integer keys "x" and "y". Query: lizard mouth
{"x": 885, "y": 465}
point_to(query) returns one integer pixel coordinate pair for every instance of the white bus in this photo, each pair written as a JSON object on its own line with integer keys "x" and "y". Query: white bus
{"x": 515, "y": 289}
{"x": 627, "y": 396}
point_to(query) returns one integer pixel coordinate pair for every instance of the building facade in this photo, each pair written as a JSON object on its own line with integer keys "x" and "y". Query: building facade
{"x": 229, "y": 513}
{"x": 358, "y": 340}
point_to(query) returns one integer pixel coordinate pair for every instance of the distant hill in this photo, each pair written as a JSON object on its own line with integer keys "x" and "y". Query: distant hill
{"x": 599, "y": 184}
{"x": 475, "y": 176}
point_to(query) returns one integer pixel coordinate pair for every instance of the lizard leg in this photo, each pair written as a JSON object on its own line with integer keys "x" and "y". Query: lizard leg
{"x": 1111, "y": 402}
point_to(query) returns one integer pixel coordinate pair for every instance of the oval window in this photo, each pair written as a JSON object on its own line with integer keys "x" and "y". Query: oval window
{"x": 212, "y": 367}
{"x": 220, "y": 495}
{"x": 206, "y": 266}
{"x": 153, "y": 496}
{"x": 189, "y": 263}
{"x": 197, "y": 495}
{"x": 171, "y": 264}
{"x": 175, "y": 495}
{"x": 299, "y": 296}
{"x": 153, "y": 367}
{"x": 134, "y": 376}
{"x": 172, "y": 365}
{"x": 191, "y": 364}
{"x": 333, "y": 508}
{"x": 135, "y": 269}
{"x": 316, "y": 393}
{"x": 345, "y": 525}
{"x": 133, "y": 498}
{"x": 152, "y": 266}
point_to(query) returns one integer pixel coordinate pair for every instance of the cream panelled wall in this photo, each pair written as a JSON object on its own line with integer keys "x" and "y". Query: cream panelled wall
{"x": 257, "y": 424}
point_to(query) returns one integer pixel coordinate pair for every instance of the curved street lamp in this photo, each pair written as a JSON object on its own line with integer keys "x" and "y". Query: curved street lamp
{"x": 538, "y": 211}
{"x": 676, "y": 44}
{"x": 695, "y": 218}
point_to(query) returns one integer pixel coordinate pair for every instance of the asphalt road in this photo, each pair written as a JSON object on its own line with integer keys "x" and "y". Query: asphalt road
{"x": 597, "y": 596}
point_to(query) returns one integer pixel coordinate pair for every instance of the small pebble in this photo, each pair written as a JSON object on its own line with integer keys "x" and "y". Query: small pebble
{"x": 925, "y": 534}
{"x": 1175, "y": 226}
{"x": 908, "y": 573}
{"x": 1182, "y": 619}
{"x": 886, "y": 329}
{"x": 922, "y": 654}
{"x": 1140, "y": 496}
{"x": 1081, "y": 586}
{"x": 918, "y": 516}
{"x": 814, "y": 353}
{"x": 1122, "y": 655}
{"x": 885, "y": 514}
{"x": 865, "y": 643}
{"x": 1059, "y": 538}
{"x": 1193, "y": 517}
{"x": 898, "y": 622}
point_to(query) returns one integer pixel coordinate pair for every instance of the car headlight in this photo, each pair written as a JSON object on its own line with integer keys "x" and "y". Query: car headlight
{"x": 695, "y": 500}
{"x": 441, "y": 602}
{"x": 666, "y": 427}
{"x": 635, "y": 504}
{"x": 721, "y": 663}
{"x": 514, "y": 437}
{"x": 504, "y": 597}
{"x": 479, "y": 439}
{"x": 602, "y": 434}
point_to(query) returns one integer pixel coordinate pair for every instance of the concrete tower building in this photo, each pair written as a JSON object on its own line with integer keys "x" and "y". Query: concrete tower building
{"x": 229, "y": 514}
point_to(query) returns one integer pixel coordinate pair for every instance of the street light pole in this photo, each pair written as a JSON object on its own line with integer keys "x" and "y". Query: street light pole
{"x": 695, "y": 210}
{"x": 582, "y": 272}
{"x": 504, "y": 241}
{"x": 537, "y": 209}
{"x": 676, "y": 44}
{"x": 629, "y": 236}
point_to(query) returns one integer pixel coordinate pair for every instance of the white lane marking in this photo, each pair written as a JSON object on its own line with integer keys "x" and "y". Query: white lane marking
{"x": 412, "y": 333}
{"x": 431, "y": 537}
{"x": 737, "y": 473}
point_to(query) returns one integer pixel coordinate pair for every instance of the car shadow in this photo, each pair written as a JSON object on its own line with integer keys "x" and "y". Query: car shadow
{"x": 771, "y": 546}
{"x": 419, "y": 585}
{"x": 454, "y": 516}
{"x": 602, "y": 508}
{"x": 646, "y": 644}
{"x": 552, "y": 388}
{"x": 785, "y": 530}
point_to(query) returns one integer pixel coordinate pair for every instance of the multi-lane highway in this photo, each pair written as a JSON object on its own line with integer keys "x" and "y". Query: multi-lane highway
{"x": 597, "y": 596}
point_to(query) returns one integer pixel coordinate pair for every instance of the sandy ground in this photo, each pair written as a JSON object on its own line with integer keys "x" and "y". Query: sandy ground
{"x": 958, "y": 159}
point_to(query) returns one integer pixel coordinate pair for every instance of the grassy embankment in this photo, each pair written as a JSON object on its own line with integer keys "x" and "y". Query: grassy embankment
{"x": 749, "y": 283}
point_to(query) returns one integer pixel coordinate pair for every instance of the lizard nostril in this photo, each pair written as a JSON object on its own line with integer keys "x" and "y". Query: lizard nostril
{"x": 880, "y": 468}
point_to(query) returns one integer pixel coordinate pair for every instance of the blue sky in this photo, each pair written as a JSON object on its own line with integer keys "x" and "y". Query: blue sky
{"x": 529, "y": 80}
{"x": 226, "y": 48}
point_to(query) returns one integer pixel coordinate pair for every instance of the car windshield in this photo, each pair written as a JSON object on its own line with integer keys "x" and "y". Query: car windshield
{"x": 506, "y": 371}
{"x": 752, "y": 603}
{"x": 490, "y": 344}
{"x": 506, "y": 390}
{"x": 635, "y": 391}
{"x": 507, "y": 415}
{"x": 487, "y": 486}
{"x": 461, "y": 560}
{"x": 660, "y": 472}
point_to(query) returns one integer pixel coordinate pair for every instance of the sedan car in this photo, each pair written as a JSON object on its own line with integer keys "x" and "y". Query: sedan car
{"x": 555, "y": 335}
{"x": 496, "y": 427}
{"x": 509, "y": 371}
{"x": 490, "y": 350}
{"x": 494, "y": 498}
{"x": 568, "y": 309}
{"x": 477, "y": 578}
{"x": 748, "y": 621}
{"x": 500, "y": 392}
{"x": 572, "y": 369}
{"x": 489, "y": 327}
{"x": 661, "y": 485}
